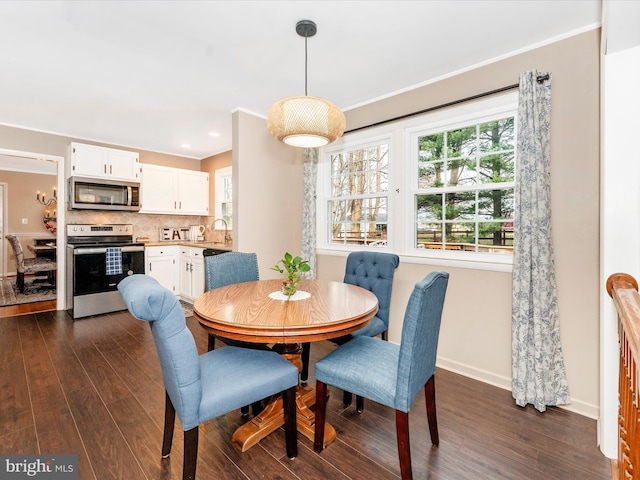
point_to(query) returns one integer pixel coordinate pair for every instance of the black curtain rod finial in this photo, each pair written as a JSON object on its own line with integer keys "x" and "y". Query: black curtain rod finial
{"x": 542, "y": 78}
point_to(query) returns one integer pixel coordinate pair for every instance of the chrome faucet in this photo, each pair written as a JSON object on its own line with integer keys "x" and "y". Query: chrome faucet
{"x": 226, "y": 229}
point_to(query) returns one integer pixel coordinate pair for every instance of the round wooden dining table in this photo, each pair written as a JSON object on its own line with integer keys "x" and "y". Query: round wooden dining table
{"x": 257, "y": 312}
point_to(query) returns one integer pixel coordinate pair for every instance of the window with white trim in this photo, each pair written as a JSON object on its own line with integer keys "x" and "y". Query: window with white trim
{"x": 224, "y": 195}
{"x": 437, "y": 186}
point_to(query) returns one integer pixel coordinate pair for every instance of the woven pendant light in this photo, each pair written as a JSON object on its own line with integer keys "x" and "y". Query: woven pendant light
{"x": 305, "y": 121}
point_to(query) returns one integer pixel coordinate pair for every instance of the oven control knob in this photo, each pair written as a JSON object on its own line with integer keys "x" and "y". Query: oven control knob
{"x": 130, "y": 272}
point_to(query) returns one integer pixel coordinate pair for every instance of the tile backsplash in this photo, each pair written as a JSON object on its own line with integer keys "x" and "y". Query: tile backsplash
{"x": 146, "y": 225}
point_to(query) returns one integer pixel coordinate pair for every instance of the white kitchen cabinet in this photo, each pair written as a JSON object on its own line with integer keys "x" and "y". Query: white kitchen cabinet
{"x": 193, "y": 192}
{"x": 191, "y": 272}
{"x": 161, "y": 263}
{"x": 158, "y": 189}
{"x": 101, "y": 162}
{"x": 174, "y": 191}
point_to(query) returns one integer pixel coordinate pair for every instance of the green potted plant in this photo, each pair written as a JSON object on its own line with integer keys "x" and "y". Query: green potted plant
{"x": 291, "y": 268}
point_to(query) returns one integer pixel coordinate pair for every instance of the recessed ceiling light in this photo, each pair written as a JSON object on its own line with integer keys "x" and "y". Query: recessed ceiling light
{"x": 214, "y": 134}
{"x": 185, "y": 145}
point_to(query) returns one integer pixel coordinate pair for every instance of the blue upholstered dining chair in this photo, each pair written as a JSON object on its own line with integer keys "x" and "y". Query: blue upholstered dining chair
{"x": 226, "y": 269}
{"x": 387, "y": 373}
{"x": 197, "y": 386}
{"x": 373, "y": 271}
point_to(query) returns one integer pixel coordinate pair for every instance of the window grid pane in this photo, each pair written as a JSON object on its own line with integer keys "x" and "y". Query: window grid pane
{"x": 469, "y": 215}
{"x": 227, "y": 182}
{"x": 359, "y": 204}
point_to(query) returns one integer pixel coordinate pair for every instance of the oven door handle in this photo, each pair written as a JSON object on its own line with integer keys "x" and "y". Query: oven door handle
{"x": 93, "y": 251}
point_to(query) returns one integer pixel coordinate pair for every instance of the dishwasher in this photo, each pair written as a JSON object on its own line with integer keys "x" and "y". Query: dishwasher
{"x": 210, "y": 252}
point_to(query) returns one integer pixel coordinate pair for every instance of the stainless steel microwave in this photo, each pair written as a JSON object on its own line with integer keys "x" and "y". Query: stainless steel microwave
{"x": 103, "y": 194}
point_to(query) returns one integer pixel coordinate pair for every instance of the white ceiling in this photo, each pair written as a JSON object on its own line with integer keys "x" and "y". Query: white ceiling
{"x": 154, "y": 75}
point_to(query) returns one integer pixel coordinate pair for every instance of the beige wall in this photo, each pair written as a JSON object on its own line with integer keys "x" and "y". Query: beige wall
{"x": 475, "y": 337}
{"x": 21, "y": 199}
{"x": 267, "y": 193}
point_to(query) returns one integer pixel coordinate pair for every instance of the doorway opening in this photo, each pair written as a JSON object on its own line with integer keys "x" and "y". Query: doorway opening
{"x": 30, "y": 180}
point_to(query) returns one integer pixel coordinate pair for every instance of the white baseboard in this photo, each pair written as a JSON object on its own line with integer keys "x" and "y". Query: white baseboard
{"x": 577, "y": 406}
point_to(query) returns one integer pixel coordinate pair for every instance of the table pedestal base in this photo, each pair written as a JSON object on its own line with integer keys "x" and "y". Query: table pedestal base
{"x": 272, "y": 418}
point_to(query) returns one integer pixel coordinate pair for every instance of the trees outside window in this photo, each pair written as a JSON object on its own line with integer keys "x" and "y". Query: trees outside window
{"x": 358, "y": 207}
{"x": 465, "y": 188}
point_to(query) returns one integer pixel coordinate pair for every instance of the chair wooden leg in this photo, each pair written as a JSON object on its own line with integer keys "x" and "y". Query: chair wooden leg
{"x": 304, "y": 374}
{"x": 20, "y": 282}
{"x": 359, "y": 404}
{"x": 430, "y": 396}
{"x": 320, "y": 415}
{"x": 211, "y": 344}
{"x": 169, "y": 422}
{"x": 347, "y": 398}
{"x": 404, "y": 446}
{"x": 190, "y": 454}
{"x": 290, "y": 420}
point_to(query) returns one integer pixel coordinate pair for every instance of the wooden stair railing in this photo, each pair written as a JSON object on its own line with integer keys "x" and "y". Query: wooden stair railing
{"x": 623, "y": 289}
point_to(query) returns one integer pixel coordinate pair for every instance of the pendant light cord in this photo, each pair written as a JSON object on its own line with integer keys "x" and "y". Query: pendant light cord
{"x": 305, "y": 65}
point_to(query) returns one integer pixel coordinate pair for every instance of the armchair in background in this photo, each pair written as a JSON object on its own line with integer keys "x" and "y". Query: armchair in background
{"x": 30, "y": 265}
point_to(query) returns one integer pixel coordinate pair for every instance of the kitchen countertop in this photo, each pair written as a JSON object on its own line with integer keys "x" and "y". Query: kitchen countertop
{"x": 186, "y": 243}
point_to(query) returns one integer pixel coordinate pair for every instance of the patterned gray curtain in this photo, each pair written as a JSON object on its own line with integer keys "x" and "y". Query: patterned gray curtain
{"x": 308, "y": 250}
{"x": 538, "y": 370}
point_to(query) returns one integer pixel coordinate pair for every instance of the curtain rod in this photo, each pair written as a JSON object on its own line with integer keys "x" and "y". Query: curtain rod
{"x": 539, "y": 79}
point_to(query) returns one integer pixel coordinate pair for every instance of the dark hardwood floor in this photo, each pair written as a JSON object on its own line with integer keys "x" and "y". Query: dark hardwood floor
{"x": 93, "y": 387}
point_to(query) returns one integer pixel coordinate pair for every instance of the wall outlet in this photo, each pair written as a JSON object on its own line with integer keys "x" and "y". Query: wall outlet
{"x": 25, "y": 221}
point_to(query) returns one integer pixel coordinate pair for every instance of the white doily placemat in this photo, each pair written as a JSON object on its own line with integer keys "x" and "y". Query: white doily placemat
{"x": 299, "y": 295}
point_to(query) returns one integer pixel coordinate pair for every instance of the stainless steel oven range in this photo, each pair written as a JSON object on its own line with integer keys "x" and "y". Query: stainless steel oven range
{"x": 98, "y": 257}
